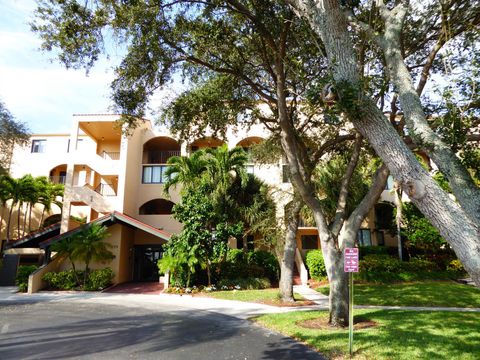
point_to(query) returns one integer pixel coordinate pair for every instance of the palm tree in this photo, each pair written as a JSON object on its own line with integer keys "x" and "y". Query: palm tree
{"x": 185, "y": 170}
{"x": 48, "y": 197}
{"x": 65, "y": 248}
{"x": 223, "y": 167}
{"x": 25, "y": 186}
{"x": 4, "y": 197}
{"x": 89, "y": 245}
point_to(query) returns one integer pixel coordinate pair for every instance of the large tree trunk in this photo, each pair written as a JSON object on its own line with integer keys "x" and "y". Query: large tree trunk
{"x": 327, "y": 19}
{"x": 461, "y": 183}
{"x": 287, "y": 262}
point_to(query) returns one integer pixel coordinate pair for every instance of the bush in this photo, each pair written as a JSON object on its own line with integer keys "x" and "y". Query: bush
{"x": 456, "y": 266}
{"x": 265, "y": 260}
{"x": 66, "y": 280}
{"x": 372, "y": 250}
{"x": 63, "y": 280}
{"x": 316, "y": 264}
{"x": 379, "y": 263}
{"x": 23, "y": 273}
{"x": 250, "y": 283}
{"x": 99, "y": 279}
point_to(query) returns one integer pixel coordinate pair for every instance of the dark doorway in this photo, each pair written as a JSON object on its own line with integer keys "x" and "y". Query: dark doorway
{"x": 145, "y": 264}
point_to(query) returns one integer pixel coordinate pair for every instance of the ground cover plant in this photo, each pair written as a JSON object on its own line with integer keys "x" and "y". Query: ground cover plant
{"x": 396, "y": 335}
{"x": 23, "y": 273}
{"x": 438, "y": 293}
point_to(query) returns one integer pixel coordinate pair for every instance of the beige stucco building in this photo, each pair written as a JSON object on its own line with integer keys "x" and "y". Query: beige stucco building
{"x": 117, "y": 179}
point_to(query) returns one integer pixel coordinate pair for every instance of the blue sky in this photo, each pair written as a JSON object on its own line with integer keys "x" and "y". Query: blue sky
{"x": 38, "y": 91}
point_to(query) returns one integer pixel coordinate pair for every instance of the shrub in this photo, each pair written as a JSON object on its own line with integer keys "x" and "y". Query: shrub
{"x": 99, "y": 279}
{"x": 267, "y": 261}
{"x": 316, "y": 264}
{"x": 418, "y": 264}
{"x": 63, "y": 280}
{"x": 372, "y": 250}
{"x": 379, "y": 263}
{"x": 456, "y": 266}
{"x": 23, "y": 273}
{"x": 250, "y": 283}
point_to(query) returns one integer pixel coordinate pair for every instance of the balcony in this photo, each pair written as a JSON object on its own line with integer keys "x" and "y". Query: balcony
{"x": 160, "y": 156}
{"x": 58, "y": 179}
{"x": 110, "y": 155}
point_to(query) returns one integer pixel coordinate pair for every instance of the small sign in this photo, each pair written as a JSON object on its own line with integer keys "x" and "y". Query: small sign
{"x": 350, "y": 260}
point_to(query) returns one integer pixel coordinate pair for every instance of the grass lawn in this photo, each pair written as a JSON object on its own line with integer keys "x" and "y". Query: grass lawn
{"x": 266, "y": 295}
{"x": 449, "y": 294}
{"x": 399, "y": 334}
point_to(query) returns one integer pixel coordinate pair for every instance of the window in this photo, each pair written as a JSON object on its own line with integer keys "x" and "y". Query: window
{"x": 285, "y": 174}
{"x": 309, "y": 242}
{"x": 364, "y": 237}
{"x": 38, "y": 146}
{"x": 154, "y": 175}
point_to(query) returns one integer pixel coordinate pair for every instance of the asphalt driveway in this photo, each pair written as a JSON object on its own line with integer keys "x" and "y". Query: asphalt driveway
{"x": 95, "y": 330}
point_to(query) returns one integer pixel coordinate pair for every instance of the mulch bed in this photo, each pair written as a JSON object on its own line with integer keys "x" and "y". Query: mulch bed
{"x": 359, "y": 323}
{"x": 293, "y": 304}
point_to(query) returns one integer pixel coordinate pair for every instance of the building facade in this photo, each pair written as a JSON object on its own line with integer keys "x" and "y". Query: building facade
{"x": 118, "y": 179}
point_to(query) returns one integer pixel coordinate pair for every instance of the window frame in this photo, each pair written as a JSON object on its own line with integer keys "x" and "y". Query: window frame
{"x": 38, "y": 146}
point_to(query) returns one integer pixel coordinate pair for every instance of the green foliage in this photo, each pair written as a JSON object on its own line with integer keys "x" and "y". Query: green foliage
{"x": 267, "y": 261}
{"x": 327, "y": 176}
{"x": 252, "y": 264}
{"x": 418, "y": 231}
{"x": 372, "y": 250}
{"x": 249, "y": 283}
{"x": 23, "y": 272}
{"x": 99, "y": 279}
{"x": 69, "y": 279}
{"x": 12, "y": 132}
{"x": 456, "y": 266}
{"x": 316, "y": 264}
{"x": 63, "y": 280}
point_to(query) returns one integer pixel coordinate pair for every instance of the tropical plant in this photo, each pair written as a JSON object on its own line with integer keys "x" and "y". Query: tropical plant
{"x": 185, "y": 170}
{"x": 66, "y": 248}
{"x": 89, "y": 245}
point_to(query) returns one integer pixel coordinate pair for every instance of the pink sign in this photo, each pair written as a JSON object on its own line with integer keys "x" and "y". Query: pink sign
{"x": 350, "y": 260}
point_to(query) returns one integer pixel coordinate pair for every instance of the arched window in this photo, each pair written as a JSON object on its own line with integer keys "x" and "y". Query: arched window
{"x": 156, "y": 207}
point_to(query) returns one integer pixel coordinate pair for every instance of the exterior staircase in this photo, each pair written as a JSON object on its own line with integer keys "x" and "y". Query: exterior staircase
{"x": 104, "y": 165}
{"x": 88, "y": 196}
{"x": 296, "y": 276}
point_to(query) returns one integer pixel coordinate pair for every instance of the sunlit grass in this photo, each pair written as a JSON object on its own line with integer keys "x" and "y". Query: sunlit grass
{"x": 399, "y": 334}
{"x": 449, "y": 294}
{"x": 266, "y": 295}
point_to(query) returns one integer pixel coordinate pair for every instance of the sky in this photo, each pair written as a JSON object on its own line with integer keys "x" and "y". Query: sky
{"x": 36, "y": 90}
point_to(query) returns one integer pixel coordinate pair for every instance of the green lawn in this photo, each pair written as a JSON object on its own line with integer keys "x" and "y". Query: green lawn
{"x": 449, "y": 294}
{"x": 399, "y": 334}
{"x": 266, "y": 295}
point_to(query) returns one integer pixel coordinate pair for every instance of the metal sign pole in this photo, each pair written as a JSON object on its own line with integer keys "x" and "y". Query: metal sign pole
{"x": 350, "y": 313}
{"x": 350, "y": 265}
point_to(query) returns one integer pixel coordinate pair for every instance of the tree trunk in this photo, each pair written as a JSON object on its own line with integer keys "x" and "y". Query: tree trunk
{"x": 209, "y": 277}
{"x": 9, "y": 222}
{"x": 287, "y": 262}
{"x": 328, "y": 20}
{"x": 338, "y": 297}
{"x": 460, "y": 181}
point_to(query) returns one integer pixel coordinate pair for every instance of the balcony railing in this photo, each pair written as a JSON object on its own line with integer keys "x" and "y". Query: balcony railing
{"x": 105, "y": 190}
{"x": 58, "y": 179}
{"x": 110, "y": 155}
{"x": 161, "y": 157}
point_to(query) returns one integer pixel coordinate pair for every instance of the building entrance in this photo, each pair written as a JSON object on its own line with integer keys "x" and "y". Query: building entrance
{"x": 145, "y": 262}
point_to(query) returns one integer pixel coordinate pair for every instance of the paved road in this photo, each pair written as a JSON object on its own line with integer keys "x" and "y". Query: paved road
{"x": 95, "y": 330}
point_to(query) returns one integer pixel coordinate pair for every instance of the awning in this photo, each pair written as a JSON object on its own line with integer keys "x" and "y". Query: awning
{"x": 109, "y": 220}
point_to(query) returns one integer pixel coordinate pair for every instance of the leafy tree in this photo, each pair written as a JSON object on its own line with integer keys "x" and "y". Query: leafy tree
{"x": 185, "y": 170}
{"x": 12, "y": 132}
{"x": 89, "y": 245}
{"x": 400, "y": 39}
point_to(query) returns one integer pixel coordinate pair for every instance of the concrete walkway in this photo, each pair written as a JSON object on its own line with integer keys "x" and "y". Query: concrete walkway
{"x": 311, "y": 295}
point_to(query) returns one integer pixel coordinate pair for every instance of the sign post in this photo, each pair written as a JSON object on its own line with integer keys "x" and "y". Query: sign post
{"x": 350, "y": 266}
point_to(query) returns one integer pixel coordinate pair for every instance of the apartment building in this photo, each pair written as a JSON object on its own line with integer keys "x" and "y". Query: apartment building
{"x": 117, "y": 180}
